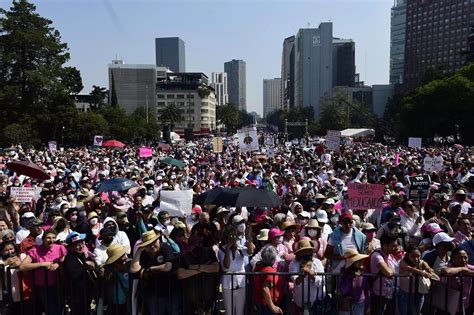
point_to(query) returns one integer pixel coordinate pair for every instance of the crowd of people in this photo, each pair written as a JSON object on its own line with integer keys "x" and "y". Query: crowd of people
{"x": 311, "y": 254}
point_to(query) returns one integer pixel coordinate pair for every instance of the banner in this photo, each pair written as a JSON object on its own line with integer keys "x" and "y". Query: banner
{"x": 217, "y": 145}
{"x": 419, "y": 186}
{"x": 248, "y": 140}
{"x": 333, "y": 140}
{"x": 433, "y": 164}
{"x": 23, "y": 194}
{"x": 98, "y": 141}
{"x": 176, "y": 202}
{"x": 414, "y": 142}
{"x": 145, "y": 152}
{"x": 52, "y": 146}
{"x": 365, "y": 196}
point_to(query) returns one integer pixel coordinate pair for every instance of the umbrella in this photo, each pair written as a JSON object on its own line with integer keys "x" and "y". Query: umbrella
{"x": 217, "y": 196}
{"x": 113, "y": 143}
{"x": 115, "y": 184}
{"x": 28, "y": 168}
{"x": 251, "y": 197}
{"x": 458, "y": 146}
{"x": 173, "y": 162}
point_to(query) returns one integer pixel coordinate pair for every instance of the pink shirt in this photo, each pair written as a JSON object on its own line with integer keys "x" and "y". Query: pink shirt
{"x": 41, "y": 254}
{"x": 388, "y": 284}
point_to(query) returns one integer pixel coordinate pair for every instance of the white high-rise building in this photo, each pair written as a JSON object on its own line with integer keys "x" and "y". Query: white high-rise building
{"x": 271, "y": 96}
{"x": 219, "y": 84}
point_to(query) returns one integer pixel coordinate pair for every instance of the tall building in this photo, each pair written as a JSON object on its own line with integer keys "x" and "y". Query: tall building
{"x": 219, "y": 84}
{"x": 437, "y": 35}
{"x": 134, "y": 85}
{"x": 288, "y": 74}
{"x": 313, "y": 66}
{"x": 170, "y": 53}
{"x": 193, "y": 97}
{"x": 271, "y": 96}
{"x": 397, "y": 41}
{"x": 343, "y": 62}
{"x": 236, "y": 86}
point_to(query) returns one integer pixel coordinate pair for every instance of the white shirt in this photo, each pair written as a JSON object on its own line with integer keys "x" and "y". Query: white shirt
{"x": 237, "y": 264}
{"x": 347, "y": 242}
{"x": 317, "y": 287}
{"x": 410, "y": 225}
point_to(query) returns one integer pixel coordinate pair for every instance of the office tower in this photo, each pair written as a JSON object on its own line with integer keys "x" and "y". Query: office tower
{"x": 134, "y": 85}
{"x": 271, "y": 96}
{"x": 288, "y": 74}
{"x": 219, "y": 84}
{"x": 170, "y": 53}
{"x": 236, "y": 83}
{"x": 313, "y": 66}
{"x": 397, "y": 41}
{"x": 343, "y": 62}
{"x": 437, "y": 35}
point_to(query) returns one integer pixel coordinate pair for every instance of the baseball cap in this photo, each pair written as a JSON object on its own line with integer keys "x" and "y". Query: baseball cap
{"x": 237, "y": 219}
{"x": 345, "y": 215}
{"x": 74, "y": 237}
{"x": 329, "y": 201}
{"x": 442, "y": 237}
{"x": 305, "y": 214}
{"x": 28, "y": 215}
{"x": 433, "y": 228}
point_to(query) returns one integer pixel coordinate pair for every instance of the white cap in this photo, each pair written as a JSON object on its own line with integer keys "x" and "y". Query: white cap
{"x": 329, "y": 201}
{"x": 305, "y": 214}
{"x": 322, "y": 216}
{"x": 28, "y": 215}
{"x": 442, "y": 237}
{"x": 399, "y": 185}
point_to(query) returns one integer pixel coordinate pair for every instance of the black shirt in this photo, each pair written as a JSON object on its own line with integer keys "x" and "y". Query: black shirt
{"x": 158, "y": 282}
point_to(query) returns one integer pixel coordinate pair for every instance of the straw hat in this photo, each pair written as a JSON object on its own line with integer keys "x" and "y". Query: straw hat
{"x": 304, "y": 247}
{"x": 313, "y": 224}
{"x": 352, "y": 255}
{"x": 148, "y": 238}
{"x": 114, "y": 252}
{"x": 91, "y": 215}
{"x": 263, "y": 235}
{"x": 287, "y": 224}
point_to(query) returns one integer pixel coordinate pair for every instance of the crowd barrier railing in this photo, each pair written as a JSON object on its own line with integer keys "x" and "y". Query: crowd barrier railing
{"x": 45, "y": 292}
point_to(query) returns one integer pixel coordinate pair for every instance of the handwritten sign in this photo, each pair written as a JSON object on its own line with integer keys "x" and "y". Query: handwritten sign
{"x": 217, "y": 145}
{"x": 414, "y": 142}
{"x": 365, "y": 196}
{"x": 52, "y": 146}
{"x": 419, "y": 186}
{"x": 145, "y": 152}
{"x": 23, "y": 194}
{"x": 176, "y": 202}
{"x": 333, "y": 140}
{"x": 433, "y": 164}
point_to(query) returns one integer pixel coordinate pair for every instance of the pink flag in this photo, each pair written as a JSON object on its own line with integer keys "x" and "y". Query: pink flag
{"x": 397, "y": 159}
{"x": 145, "y": 152}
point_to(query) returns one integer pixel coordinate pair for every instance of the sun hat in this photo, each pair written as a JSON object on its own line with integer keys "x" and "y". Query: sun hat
{"x": 74, "y": 237}
{"x": 319, "y": 196}
{"x": 148, "y": 238}
{"x": 28, "y": 215}
{"x": 329, "y": 201}
{"x": 222, "y": 209}
{"x": 304, "y": 246}
{"x": 460, "y": 192}
{"x": 322, "y": 216}
{"x": 121, "y": 204}
{"x": 114, "y": 252}
{"x": 432, "y": 228}
{"x": 275, "y": 232}
{"x": 263, "y": 235}
{"x": 312, "y": 224}
{"x": 91, "y": 215}
{"x": 351, "y": 255}
{"x": 287, "y": 224}
{"x": 121, "y": 214}
{"x": 180, "y": 225}
{"x": 304, "y": 214}
{"x": 35, "y": 222}
{"x": 237, "y": 219}
{"x": 368, "y": 227}
{"x": 442, "y": 237}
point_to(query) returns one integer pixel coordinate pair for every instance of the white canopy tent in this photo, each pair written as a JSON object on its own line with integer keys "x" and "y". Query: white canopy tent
{"x": 357, "y": 132}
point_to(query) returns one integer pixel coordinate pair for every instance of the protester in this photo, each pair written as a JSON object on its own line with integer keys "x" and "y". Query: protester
{"x": 354, "y": 290}
{"x": 117, "y": 277}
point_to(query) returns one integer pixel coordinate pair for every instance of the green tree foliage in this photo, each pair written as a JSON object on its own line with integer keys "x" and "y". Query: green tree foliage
{"x": 99, "y": 95}
{"x": 229, "y": 116}
{"x": 113, "y": 97}
{"x": 295, "y": 114}
{"x": 34, "y": 84}
{"x": 170, "y": 115}
{"x": 245, "y": 119}
{"x": 334, "y": 113}
{"x": 86, "y": 126}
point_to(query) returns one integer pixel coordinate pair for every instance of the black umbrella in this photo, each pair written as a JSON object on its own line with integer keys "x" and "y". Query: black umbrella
{"x": 217, "y": 196}
{"x": 252, "y": 197}
{"x": 115, "y": 184}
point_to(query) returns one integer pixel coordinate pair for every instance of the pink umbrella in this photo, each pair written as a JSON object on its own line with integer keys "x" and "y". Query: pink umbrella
{"x": 458, "y": 146}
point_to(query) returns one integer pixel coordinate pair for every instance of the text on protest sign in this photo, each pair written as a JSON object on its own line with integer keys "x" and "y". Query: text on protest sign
{"x": 176, "y": 202}
{"x": 217, "y": 145}
{"x": 419, "y": 186}
{"x": 23, "y": 194}
{"x": 414, "y": 142}
{"x": 365, "y": 196}
{"x": 433, "y": 164}
{"x": 333, "y": 140}
{"x": 145, "y": 152}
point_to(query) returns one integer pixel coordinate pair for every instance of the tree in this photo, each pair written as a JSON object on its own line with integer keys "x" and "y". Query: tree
{"x": 99, "y": 94}
{"x": 34, "y": 84}
{"x": 229, "y": 116}
{"x": 86, "y": 126}
{"x": 113, "y": 97}
{"x": 334, "y": 112}
{"x": 170, "y": 115}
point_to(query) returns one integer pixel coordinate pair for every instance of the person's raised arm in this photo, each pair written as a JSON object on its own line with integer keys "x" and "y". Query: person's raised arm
{"x": 135, "y": 265}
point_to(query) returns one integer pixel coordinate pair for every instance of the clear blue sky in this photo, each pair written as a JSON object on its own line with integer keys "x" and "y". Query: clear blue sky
{"x": 214, "y": 31}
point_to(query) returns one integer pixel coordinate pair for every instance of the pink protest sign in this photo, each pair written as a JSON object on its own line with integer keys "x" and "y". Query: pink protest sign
{"x": 365, "y": 196}
{"x": 165, "y": 147}
{"x": 145, "y": 152}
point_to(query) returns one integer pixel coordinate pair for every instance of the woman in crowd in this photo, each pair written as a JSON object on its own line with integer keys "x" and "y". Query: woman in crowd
{"x": 45, "y": 260}
{"x": 117, "y": 278}
{"x": 313, "y": 230}
{"x": 10, "y": 283}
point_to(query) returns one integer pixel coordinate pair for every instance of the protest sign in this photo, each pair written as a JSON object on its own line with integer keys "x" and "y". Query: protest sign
{"x": 52, "y": 146}
{"x": 98, "y": 141}
{"x": 23, "y": 194}
{"x": 165, "y": 147}
{"x": 333, "y": 140}
{"x": 248, "y": 140}
{"x": 270, "y": 153}
{"x": 433, "y": 164}
{"x": 268, "y": 141}
{"x": 288, "y": 144}
{"x": 365, "y": 196}
{"x": 217, "y": 145}
{"x": 145, "y": 152}
{"x": 176, "y": 202}
{"x": 419, "y": 186}
{"x": 414, "y": 142}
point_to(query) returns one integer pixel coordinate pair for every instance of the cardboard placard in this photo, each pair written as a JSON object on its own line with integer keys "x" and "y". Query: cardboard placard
{"x": 333, "y": 140}
{"x": 145, "y": 152}
{"x": 414, "y": 142}
{"x": 248, "y": 140}
{"x": 365, "y": 196}
{"x": 217, "y": 145}
{"x": 52, "y": 146}
{"x": 419, "y": 186}
{"x": 165, "y": 147}
{"x": 433, "y": 164}
{"x": 23, "y": 194}
{"x": 98, "y": 140}
{"x": 177, "y": 202}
